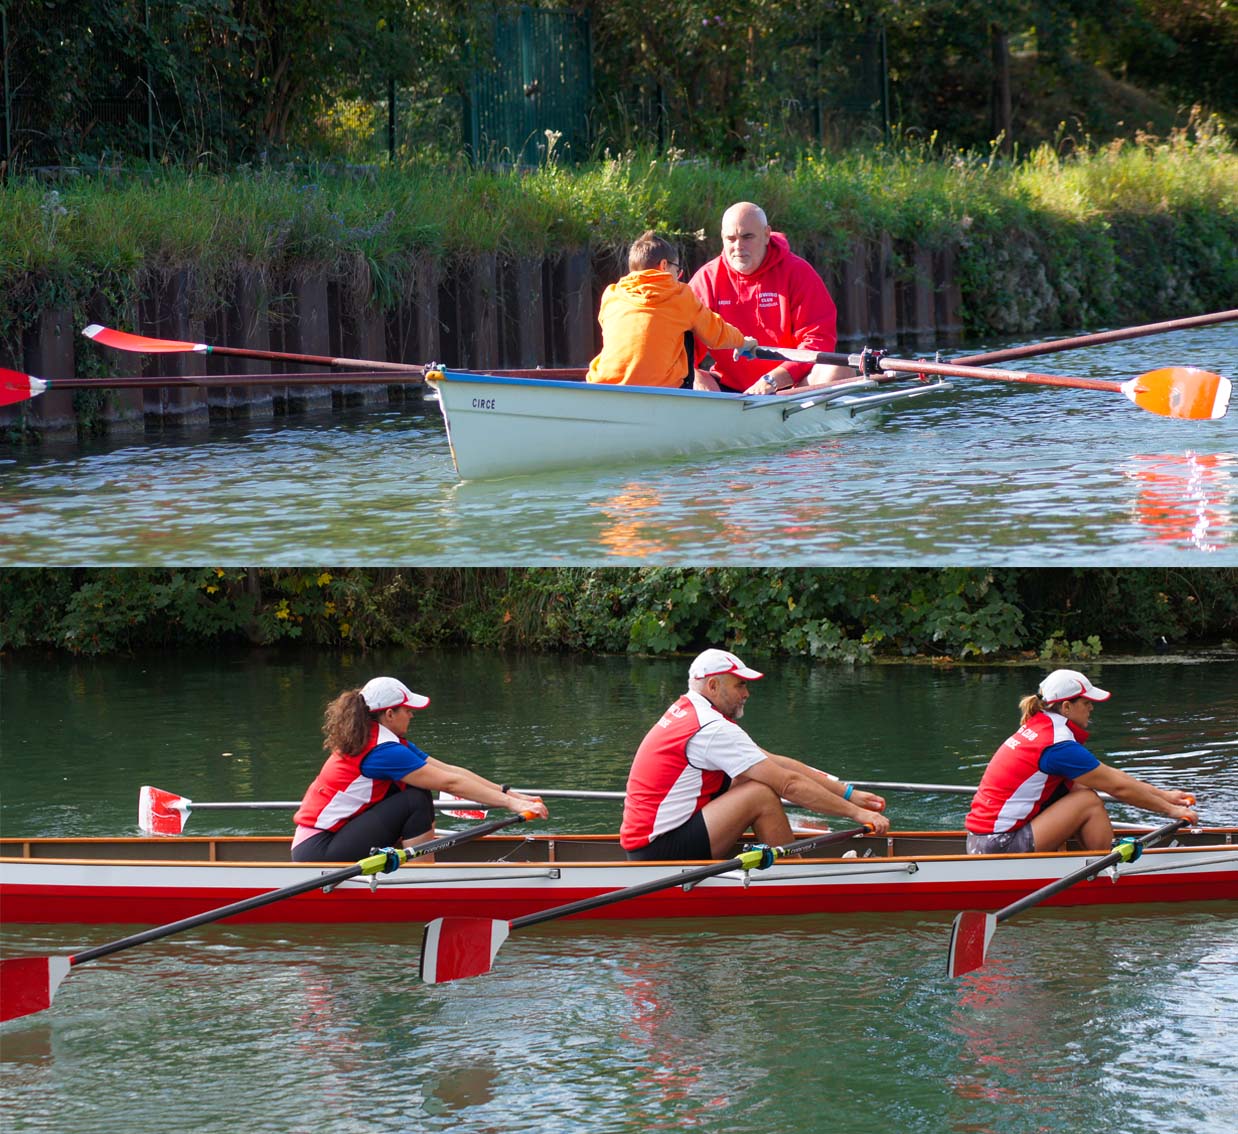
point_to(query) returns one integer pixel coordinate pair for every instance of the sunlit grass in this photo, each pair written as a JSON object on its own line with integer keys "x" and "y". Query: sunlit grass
{"x": 64, "y": 244}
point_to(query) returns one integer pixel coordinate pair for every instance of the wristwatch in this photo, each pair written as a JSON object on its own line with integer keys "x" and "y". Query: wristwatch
{"x": 773, "y": 382}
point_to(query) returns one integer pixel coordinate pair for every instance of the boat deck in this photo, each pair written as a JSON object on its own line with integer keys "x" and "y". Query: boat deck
{"x": 494, "y": 848}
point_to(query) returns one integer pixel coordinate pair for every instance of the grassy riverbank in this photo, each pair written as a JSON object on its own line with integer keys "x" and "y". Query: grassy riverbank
{"x": 1128, "y": 233}
{"x": 838, "y": 614}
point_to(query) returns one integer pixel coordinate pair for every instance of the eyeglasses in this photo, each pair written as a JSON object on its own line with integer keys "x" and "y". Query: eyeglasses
{"x": 672, "y": 264}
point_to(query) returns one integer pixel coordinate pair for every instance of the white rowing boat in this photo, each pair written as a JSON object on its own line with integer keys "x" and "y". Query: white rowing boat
{"x": 501, "y": 427}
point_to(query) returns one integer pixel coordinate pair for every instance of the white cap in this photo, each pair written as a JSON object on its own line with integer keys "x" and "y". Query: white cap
{"x": 720, "y": 661}
{"x": 388, "y": 693}
{"x": 1066, "y": 685}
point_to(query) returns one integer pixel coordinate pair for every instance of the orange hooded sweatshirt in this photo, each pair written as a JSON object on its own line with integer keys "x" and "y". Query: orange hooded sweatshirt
{"x": 643, "y": 319}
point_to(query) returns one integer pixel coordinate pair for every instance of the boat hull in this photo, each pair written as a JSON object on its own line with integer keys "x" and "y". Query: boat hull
{"x": 501, "y": 427}
{"x": 149, "y": 881}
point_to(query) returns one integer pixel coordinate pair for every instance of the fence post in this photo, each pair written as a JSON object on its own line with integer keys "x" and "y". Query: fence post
{"x": 166, "y": 312}
{"x": 524, "y": 330}
{"x": 310, "y": 333}
{"x": 249, "y": 326}
{"x": 949, "y": 296}
{"x": 49, "y": 352}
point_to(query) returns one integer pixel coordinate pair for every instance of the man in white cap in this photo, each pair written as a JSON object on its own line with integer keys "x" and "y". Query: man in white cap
{"x": 698, "y": 781}
{"x": 1041, "y": 785}
{"x": 376, "y": 787}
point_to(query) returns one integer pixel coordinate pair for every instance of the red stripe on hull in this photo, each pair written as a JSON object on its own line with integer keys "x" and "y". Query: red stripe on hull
{"x": 102, "y": 905}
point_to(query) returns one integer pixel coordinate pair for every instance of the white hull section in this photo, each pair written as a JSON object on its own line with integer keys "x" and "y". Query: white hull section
{"x": 500, "y": 427}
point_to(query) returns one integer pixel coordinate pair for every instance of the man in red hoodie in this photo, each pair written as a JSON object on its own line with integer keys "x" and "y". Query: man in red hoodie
{"x": 760, "y": 286}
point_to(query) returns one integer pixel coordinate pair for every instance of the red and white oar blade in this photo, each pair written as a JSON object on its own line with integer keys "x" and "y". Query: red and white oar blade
{"x": 162, "y": 812}
{"x": 459, "y": 813}
{"x": 17, "y": 387}
{"x": 456, "y": 947}
{"x": 1180, "y": 391}
{"x": 969, "y": 941}
{"x": 123, "y": 340}
{"x": 28, "y": 984}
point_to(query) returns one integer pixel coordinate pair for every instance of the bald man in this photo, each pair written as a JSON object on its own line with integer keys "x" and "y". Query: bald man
{"x": 760, "y": 286}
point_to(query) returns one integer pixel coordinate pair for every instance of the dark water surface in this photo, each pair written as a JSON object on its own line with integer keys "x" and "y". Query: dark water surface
{"x": 1081, "y": 1021}
{"x": 988, "y": 473}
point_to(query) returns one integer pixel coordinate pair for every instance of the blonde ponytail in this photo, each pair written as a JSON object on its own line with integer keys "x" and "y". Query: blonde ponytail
{"x": 1030, "y": 706}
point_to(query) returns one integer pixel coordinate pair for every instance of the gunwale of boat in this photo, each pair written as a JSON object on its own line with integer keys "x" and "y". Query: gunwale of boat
{"x": 555, "y": 849}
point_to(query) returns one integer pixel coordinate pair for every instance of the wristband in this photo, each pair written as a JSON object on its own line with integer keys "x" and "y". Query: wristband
{"x": 850, "y": 789}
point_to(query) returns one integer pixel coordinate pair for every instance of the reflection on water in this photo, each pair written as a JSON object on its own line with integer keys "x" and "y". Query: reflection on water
{"x": 990, "y": 474}
{"x": 626, "y": 512}
{"x": 1186, "y": 498}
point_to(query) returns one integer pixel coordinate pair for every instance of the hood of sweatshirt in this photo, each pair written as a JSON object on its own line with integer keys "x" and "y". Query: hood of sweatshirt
{"x": 647, "y": 288}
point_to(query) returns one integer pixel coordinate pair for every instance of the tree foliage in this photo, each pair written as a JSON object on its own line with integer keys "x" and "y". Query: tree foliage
{"x": 234, "y": 80}
{"x": 838, "y": 614}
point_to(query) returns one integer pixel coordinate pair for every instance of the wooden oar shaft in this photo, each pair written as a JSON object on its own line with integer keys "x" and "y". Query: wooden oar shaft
{"x": 371, "y": 377}
{"x": 315, "y": 359}
{"x": 1008, "y": 353}
{"x": 152, "y": 382}
{"x": 680, "y": 879}
{"x": 948, "y": 369}
{"x": 331, "y": 878}
{"x": 1092, "y": 868}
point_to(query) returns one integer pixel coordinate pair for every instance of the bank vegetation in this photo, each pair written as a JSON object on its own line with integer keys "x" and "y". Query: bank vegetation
{"x": 847, "y": 615}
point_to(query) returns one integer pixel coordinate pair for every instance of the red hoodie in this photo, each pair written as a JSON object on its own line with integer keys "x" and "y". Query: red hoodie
{"x": 783, "y": 303}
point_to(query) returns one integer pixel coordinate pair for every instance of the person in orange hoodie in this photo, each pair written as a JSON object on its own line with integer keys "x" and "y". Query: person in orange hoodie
{"x": 643, "y": 319}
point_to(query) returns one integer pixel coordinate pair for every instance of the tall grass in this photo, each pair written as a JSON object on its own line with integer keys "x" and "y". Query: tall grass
{"x": 1172, "y": 200}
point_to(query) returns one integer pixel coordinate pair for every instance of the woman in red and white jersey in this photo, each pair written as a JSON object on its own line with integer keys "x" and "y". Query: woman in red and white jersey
{"x": 376, "y": 787}
{"x": 1041, "y": 785}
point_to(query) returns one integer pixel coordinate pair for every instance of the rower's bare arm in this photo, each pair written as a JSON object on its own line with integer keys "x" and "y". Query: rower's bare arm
{"x": 439, "y": 776}
{"x": 868, "y": 800}
{"x": 1176, "y": 804}
{"x": 801, "y": 788}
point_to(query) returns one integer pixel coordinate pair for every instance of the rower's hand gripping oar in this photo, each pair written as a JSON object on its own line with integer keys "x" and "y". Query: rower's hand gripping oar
{"x": 973, "y": 930}
{"x": 457, "y": 947}
{"x": 28, "y": 984}
{"x": 1174, "y": 391}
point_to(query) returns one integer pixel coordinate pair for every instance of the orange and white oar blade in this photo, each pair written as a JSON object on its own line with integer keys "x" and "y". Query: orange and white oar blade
{"x": 459, "y": 813}
{"x": 1180, "y": 391}
{"x": 17, "y": 387}
{"x": 162, "y": 812}
{"x": 969, "y": 941}
{"x": 123, "y": 340}
{"x": 28, "y": 984}
{"x": 456, "y": 947}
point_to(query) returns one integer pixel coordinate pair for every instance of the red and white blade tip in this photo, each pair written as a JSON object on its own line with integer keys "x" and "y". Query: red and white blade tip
{"x": 464, "y": 813}
{"x": 123, "y": 340}
{"x": 453, "y": 948}
{"x": 17, "y": 387}
{"x": 162, "y": 812}
{"x": 969, "y": 941}
{"x": 28, "y": 984}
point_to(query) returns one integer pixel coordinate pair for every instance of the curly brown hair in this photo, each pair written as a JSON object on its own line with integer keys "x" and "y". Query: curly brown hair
{"x": 346, "y": 723}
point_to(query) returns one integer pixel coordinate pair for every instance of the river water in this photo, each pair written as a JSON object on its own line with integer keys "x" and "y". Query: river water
{"x": 1081, "y": 1021}
{"x": 988, "y": 473}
